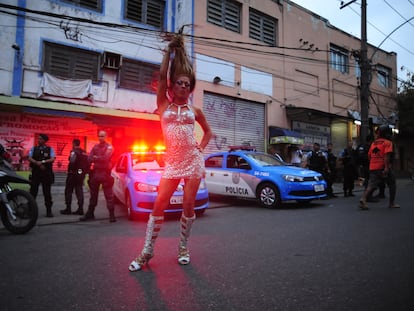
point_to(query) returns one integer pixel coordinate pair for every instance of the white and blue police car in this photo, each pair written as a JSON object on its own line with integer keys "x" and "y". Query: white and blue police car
{"x": 245, "y": 173}
{"x": 136, "y": 179}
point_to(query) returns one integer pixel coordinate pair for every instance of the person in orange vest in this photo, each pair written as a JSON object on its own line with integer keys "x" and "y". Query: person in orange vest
{"x": 381, "y": 156}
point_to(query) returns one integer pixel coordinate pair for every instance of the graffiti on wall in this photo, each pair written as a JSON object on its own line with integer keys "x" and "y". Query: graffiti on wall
{"x": 233, "y": 123}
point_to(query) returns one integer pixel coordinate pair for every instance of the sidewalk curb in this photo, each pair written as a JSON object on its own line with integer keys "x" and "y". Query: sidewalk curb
{"x": 102, "y": 214}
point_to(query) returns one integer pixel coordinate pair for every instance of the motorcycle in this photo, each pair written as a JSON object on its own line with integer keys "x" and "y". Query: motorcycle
{"x": 18, "y": 208}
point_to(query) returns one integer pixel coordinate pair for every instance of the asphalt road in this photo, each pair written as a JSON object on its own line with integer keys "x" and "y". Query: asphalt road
{"x": 328, "y": 256}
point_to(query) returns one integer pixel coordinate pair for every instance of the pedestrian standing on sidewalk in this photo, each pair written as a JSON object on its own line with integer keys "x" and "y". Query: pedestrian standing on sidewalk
{"x": 41, "y": 158}
{"x": 100, "y": 174}
{"x": 381, "y": 157}
{"x": 77, "y": 168}
{"x": 295, "y": 155}
{"x": 184, "y": 158}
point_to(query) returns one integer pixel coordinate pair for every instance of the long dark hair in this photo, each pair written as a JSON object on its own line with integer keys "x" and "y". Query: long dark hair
{"x": 180, "y": 64}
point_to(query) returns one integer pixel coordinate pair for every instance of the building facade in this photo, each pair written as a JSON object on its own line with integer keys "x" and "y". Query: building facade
{"x": 268, "y": 73}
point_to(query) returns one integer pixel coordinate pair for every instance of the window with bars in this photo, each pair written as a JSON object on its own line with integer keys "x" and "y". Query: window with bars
{"x": 339, "y": 59}
{"x": 139, "y": 76}
{"x": 224, "y": 13}
{"x": 69, "y": 62}
{"x": 149, "y": 12}
{"x": 88, "y": 4}
{"x": 262, "y": 27}
{"x": 384, "y": 76}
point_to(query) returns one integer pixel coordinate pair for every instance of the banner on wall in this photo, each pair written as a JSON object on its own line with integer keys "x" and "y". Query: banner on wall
{"x": 18, "y": 134}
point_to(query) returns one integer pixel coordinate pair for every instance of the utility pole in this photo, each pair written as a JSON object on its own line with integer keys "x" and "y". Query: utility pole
{"x": 365, "y": 67}
{"x": 365, "y": 75}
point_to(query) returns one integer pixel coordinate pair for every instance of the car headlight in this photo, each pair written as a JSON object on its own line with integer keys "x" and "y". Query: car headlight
{"x": 202, "y": 185}
{"x": 293, "y": 178}
{"x": 142, "y": 187}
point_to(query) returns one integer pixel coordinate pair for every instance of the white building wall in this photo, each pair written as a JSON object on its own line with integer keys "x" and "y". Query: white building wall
{"x": 137, "y": 44}
{"x": 7, "y": 39}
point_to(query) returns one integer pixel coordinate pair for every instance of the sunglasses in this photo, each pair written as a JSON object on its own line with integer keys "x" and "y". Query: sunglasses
{"x": 180, "y": 83}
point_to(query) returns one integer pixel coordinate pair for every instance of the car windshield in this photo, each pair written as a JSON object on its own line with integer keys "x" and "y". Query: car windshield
{"x": 264, "y": 159}
{"x": 146, "y": 161}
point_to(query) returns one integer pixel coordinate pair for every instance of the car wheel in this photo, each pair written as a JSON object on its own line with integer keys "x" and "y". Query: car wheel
{"x": 269, "y": 196}
{"x": 131, "y": 214}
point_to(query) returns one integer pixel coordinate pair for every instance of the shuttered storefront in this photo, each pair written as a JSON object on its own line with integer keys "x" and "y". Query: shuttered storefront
{"x": 234, "y": 122}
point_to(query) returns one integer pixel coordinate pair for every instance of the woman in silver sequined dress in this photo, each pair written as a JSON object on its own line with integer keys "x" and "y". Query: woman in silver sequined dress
{"x": 184, "y": 158}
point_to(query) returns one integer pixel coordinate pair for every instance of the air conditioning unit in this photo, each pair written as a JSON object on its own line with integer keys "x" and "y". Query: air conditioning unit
{"x": 111, "y": 60}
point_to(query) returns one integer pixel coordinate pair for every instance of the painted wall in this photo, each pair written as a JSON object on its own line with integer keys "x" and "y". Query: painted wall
{"x": 143, "y": 45}
{"x": 299, "y": 66}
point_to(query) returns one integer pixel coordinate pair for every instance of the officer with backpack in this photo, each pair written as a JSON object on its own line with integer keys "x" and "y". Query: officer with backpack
{"x": 77, "y": 168}
{"x": 41, "y": 158}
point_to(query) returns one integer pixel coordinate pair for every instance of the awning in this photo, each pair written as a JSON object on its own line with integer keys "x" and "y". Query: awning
{"x": 284, "y": 136}
{"x": 61, "y": 107}
{"x": 50, "y": 112}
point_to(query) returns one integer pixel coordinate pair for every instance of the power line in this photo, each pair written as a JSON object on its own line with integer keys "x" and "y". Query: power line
{"x": 238, "y": 46}
{"x": 383, "y": 33}
{"x": 395, "y": 10}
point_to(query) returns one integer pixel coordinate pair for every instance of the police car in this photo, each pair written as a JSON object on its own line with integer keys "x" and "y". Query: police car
{"x": 245, "y": 173}
{"x": 136, "y": 178}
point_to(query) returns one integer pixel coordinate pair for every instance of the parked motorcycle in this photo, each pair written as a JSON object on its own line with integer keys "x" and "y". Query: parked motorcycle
{"x": 18, "y": 208}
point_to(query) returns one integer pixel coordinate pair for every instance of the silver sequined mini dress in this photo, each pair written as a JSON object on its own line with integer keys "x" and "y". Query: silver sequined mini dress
{"x": 183, "y": 159}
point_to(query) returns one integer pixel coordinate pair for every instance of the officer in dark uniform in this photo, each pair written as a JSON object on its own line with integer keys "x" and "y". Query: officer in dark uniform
{"x": 41, "y": 158}
{"x": 318, "y": 161}
{"x": 363, "y": 161}
{"x": 77, "y": 168}
{"x": 349, "y": 157}
{"x": 100, "y": 174}
{"x": 332, "y": 167}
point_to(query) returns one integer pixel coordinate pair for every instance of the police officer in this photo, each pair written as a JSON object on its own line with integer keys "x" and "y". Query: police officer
{"x": 41, "y": 158}
{"x": 332, "y": 167}
{"x": 100, "y": 174}
{"x": 363, "y": 161}
{"x": 77, "y": 168}
{"x": 317, "y": 160}
{"x": 349, "y": 157}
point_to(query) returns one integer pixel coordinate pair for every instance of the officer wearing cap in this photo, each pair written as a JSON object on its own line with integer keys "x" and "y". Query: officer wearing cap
{"x": 41, "y": 158}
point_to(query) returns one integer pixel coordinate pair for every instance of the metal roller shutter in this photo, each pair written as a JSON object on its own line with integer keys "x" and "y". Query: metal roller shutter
{"x": 234, "y": 122}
